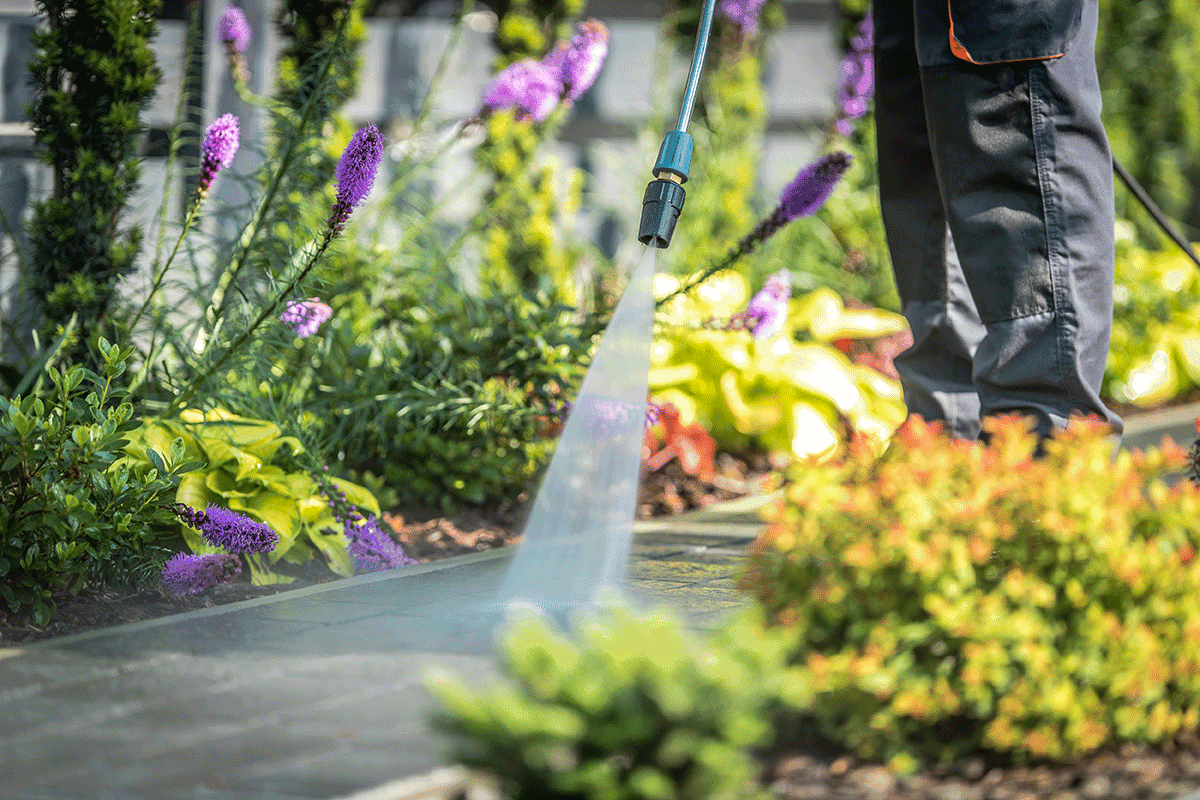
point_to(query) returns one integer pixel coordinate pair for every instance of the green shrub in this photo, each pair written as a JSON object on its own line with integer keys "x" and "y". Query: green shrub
{"x": 244, "y": 465}
{"x": 950, "y": 597}
{"x": 630, "y": 706}
{"x": 67, "y": 510}
{"x": 93, "y": 73}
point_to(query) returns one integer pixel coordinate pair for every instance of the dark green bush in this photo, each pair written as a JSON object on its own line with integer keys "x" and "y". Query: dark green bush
{"x": 93, "y": 73}
{"x": 629, "y": 707}
{"x": 66, "y": 512}
{"x": 950, "y": 597}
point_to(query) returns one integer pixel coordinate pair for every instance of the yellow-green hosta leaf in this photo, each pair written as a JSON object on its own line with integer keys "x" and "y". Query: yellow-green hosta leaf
{"x": 822, "y": 371}
{"x": 298, "y": 553}
{"x": 192, "y": 492}
{"x": 281, "y": 513}
{"x": 673, "y": 374}
{"x": 812, "y": 434}
{"x": 815, "y": 307}
{"x": 333, "y": 546}
{"x": 749, "y": 419}
{"x": 262, "y": 577}
{"x": 312, "y": 508}
{"x": 221, "y": 483}
{"x": 358, "y": 495}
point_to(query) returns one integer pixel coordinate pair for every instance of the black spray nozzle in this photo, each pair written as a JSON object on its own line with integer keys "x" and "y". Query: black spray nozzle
{"x": 660, "y": 209}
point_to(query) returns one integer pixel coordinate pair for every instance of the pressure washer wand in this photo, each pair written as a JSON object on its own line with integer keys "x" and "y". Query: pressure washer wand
{"x": 664, "y": 195}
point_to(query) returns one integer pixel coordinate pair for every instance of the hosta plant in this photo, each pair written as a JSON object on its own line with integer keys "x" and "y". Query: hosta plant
{"x": 794, "y": 392}
{"x": 951, "y": 597}
{"x": 242, "y": 468}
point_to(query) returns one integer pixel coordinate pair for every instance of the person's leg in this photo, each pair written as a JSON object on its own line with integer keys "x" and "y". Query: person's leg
{"x": 1013, "y": 106}
{"x": 936, "y": 371}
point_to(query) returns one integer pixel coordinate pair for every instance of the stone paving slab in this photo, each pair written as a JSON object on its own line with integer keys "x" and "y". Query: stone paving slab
{"x": 315, "y": 693}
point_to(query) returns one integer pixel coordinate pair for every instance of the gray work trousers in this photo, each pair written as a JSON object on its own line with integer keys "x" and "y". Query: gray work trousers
{"x": 996, "y": 184}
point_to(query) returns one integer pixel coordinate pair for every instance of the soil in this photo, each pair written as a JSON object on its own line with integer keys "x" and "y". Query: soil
{"x": 804, "y": 769}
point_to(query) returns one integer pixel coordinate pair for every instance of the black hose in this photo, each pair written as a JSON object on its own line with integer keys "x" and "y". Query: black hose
{"x": 1156, "y": 212}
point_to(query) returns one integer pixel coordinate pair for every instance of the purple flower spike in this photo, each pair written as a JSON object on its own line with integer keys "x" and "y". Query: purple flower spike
{"x": 812, "y": 186}
{"x": 584, "y": 57}
{"x": 234, "y": 30}
{"x": 526, "y": 84}
{"x": 218, "y": 149}
{"x": 236, "y": 532}
{"x": 767, "y": 310}
{"x": 306, "y": 316}
{"x": 743, "y": 13}
{"x": 185, "y": 573}
{"x": 858, "y": 77}
{"x": 372, "y": 548}
{"x": 356, "y": 174}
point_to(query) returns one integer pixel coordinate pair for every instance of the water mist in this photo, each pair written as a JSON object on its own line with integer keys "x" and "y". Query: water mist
{"x": 575, "y": 545}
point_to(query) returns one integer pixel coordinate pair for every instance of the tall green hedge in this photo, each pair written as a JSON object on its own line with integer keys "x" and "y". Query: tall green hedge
{"x": 93, "y": 74}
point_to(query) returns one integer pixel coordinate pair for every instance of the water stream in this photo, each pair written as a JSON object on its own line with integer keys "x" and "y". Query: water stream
{"x": 575, "y": 544}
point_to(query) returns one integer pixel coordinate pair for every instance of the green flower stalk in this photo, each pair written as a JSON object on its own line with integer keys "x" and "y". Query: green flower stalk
{"x": 356, "y": 172}
{"x": 220, "y": 145}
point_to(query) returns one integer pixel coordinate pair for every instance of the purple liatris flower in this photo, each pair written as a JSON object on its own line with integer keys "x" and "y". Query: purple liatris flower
{"x": 812, "y": 186}
{"x": 236, "y": 532}
{"x": 185, "y": 573}
{"x": 583, "y": 58}
{"x": 527, "y": 84}
{"x": 743, "y": 13}
{"x": 767, "y": 310}
{"x": 305, "y": 316}
{"x": 234, "y": 30}
{"x": 373, "y": 549}
{"x": 356, "y": 174}
{"x": 217, "y": 150}
{"x": 858, "y": 77}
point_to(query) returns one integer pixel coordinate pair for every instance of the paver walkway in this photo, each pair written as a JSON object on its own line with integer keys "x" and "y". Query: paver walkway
{"x": 316, "y": 693}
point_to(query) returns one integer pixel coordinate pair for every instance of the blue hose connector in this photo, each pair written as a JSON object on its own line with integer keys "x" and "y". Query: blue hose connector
{"x": 675, "y": 155}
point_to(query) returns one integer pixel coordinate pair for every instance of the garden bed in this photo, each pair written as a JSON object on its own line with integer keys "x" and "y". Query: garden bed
{"x": 425, "y": 535}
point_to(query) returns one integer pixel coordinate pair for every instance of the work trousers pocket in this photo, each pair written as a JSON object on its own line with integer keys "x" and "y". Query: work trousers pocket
{"x": 1003, "y": 31}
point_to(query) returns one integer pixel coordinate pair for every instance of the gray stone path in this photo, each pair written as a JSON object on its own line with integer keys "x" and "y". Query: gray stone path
{"x": 315, "y": 693}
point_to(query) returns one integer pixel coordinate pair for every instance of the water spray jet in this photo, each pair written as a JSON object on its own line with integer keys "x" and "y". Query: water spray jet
{"x": 575, "y": 544}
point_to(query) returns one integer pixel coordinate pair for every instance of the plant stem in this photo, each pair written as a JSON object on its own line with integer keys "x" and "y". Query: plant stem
{"x": 269, "y": 310}
{"x": 251, "y": 231}
{"x": 162, "y": 273}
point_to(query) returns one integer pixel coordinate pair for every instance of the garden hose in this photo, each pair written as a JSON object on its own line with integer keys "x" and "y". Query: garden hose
{"x": 1155, "y": 212}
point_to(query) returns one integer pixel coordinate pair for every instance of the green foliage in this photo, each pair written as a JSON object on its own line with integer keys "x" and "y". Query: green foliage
{"x": 952, "y": 596}
{"x": 794, "y": 393}
{"x": 628, "y": 708}
{"x": 93, "y": 73}
{"x": 1155, "y": 351}
{"x": 67, "y": 507}
{"x": 444, "y": 395}
{"x": 244, "y": 465}
{"x": 1146, "y": 55}
{"x": 527, "y": 213}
